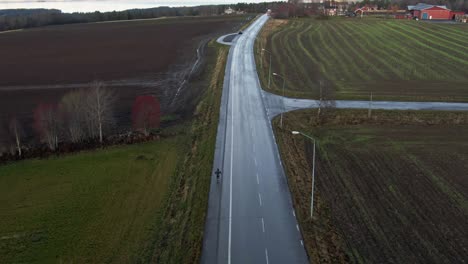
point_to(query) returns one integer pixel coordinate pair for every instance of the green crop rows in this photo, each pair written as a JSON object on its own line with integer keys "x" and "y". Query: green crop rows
{"x": 392, "y": 59}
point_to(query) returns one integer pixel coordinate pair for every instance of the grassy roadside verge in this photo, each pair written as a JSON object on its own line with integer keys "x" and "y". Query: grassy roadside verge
{"x": 388, "y": 189}
{"x": 182, "y": 222}
{"x": 143, "y": 203}
{"x": 262, "y": 42}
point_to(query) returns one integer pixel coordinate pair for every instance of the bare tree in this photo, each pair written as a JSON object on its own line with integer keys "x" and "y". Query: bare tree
{"x": 327, "y": 102}
{"x": 73, "y": 109}
{"x": 99, "y": 109}
{"x": 4, "y": 139}
{"x": 16, "y": 130}
{"x": 47, "y": 124}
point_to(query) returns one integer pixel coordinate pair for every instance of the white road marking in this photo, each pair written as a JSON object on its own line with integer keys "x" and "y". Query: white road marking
{"x": 263, "y": 225}
{"x": 258, "y": 181}
{"x": 255, "y": 161}
{"x": 294, "y": 213}
{"x": 297, "y": 227}
{"x": 260, "y": 198}
{"x": 302, "y": 243}
{"x": 230, "y": 180}
{"x": 266, "y": 255}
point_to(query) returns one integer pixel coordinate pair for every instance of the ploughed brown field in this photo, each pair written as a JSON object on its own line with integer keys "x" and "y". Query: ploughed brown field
{"x": 390, "y": 189}
{"x": 133, "y": 57}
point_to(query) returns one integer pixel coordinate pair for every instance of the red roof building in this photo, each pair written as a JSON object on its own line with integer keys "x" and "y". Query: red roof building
{"x": 436, "y": 12}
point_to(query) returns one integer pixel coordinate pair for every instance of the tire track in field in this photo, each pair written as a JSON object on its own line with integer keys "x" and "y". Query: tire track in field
{"x": 277, "y": 38}
{"x": 300, "y": 42}
{"x": 403, "y": 62}
{"x": 284, "y": 45}
{"x": 431, "y": 38}
{"x": 376, "y": 53}
{"x": 312, "y": 59}
{"x": 410, "y": 52}
{"x": 329, "y": 53}
{"x": 339, "y": 32}
{"x": 380, "y": 46}
{"x": 307, "y": 65}
{"x": 341, "y": 53}
{"x": 460, "y": 38}
{"x": 327, "y": 67}
{"x": 422, "y": 44}
{"x": 452, "y": 30}
{"x": 386, "y": 43}
{"x": 449, "y": 69}
{"x": 299, "y": 69}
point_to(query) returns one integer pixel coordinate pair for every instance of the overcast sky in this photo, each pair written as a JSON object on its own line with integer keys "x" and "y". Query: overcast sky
{"x": 107, "y": 5}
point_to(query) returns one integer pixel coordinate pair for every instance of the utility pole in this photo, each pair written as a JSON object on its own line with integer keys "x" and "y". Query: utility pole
{"x": 269, "y": 74}
{"x": 313, "y": 171}
{"x": 261, "y": 59}
{"x": 269, "y": 70}
{"x": 313, "y": 184}
{"x": 320, "y": 100}
{"x": 284, "y": 83}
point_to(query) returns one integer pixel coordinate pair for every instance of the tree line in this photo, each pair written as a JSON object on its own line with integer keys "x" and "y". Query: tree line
{"x": 295, "y": 8}
{"x": 12, "y": 19}
{"x": 456, "y": 5}
{"x": 81, "y": 115}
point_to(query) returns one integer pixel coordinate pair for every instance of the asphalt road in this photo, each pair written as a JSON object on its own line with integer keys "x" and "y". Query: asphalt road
{"x": 276, "y": 104}
{"x": 250, "y": 216}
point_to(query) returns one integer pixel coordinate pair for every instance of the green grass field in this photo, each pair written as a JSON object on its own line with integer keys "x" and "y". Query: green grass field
{"x": 143, "y": 203}
{"x": 92, "y": 207}
{"x": 393, "y": 59}
{"x": 392, "y": 188}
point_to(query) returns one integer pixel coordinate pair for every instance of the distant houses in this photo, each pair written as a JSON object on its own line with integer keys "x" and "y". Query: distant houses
{"x": 432, "y": 12}
{"x": 230, "y": 11}
{"x": 420, "y": 11}
{"x": 374, "y": 10}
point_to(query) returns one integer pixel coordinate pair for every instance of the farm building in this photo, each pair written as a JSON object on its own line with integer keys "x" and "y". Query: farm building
{"x": 374, "y": 10}
{"x": 436, "y": 12}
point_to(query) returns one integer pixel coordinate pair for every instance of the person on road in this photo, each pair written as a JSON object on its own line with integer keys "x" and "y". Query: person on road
{"x": 218, "y": 174}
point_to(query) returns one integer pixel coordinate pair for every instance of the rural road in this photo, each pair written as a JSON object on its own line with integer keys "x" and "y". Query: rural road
{"x": 276, "y": 104}
{"x": 250, "y": 215}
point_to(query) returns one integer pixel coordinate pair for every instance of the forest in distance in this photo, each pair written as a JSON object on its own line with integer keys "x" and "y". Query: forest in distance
{"x": 11, "y": 19}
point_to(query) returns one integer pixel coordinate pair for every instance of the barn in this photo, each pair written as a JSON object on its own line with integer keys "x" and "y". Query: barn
{"x": 435, "y": 12}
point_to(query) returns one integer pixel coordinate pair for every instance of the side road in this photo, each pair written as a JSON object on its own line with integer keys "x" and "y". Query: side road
{"x": 276, "y": 105}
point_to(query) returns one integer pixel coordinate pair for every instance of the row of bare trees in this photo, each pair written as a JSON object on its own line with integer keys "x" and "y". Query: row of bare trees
{"x": 80, "y": 115}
